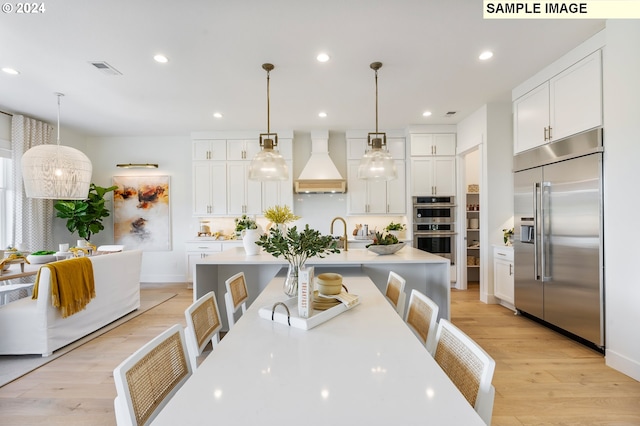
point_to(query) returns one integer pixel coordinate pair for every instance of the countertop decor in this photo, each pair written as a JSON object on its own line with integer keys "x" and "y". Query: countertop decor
{"x": 296, "y": 247}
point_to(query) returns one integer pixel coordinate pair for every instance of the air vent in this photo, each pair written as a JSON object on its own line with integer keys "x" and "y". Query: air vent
{"x": 105, "y": 68}
{"x": 450, "y": 114}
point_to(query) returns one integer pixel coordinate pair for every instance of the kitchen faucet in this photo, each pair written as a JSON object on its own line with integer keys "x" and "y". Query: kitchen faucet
{"x": 344, "y": 237}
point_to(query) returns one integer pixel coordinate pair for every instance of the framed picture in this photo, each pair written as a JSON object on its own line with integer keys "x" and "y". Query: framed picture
{"x": 141, "y": 213}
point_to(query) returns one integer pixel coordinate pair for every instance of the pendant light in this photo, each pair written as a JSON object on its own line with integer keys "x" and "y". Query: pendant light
{"x": 268, "y": 164}
{"x": 56, "y": 172}
{"x": 377, "y": 163}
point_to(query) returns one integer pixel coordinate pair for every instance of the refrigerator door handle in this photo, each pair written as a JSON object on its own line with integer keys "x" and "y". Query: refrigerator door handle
{"x": 536, "y": 275}
{"x": 544, "y": 231}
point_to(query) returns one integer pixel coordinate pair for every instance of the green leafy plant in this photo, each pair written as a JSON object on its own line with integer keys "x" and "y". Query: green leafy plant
{"x": 507, "y": 233}
{"x": 280, "y": 214}
{"x": 384, "y": 240}
{"x": 395, "y": 227}
{"x": 245, "y": 222}
{"x": 296, "y": 246}
{"x": 85, "y": 216}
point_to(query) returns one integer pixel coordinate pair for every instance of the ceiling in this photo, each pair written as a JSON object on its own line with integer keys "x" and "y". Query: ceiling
{"x": 429, "y": 50}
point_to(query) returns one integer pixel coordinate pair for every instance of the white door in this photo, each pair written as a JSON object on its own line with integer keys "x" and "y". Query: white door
{"x": 201, "y": 188}
{"x": 531, "y": 119}
{"x": 396, "y": 191}
{"x": 444, "y": 175}
{"x": 422, "y": 176}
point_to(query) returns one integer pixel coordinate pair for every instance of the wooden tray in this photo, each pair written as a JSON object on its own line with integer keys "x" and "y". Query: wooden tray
{"x": 294, "y": 320}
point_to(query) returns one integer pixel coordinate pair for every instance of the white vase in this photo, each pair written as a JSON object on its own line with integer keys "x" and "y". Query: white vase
{"x": 249, "y": 238}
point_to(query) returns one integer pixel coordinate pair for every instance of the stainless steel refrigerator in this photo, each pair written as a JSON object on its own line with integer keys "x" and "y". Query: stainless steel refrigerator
{"x": 558, "y": 244}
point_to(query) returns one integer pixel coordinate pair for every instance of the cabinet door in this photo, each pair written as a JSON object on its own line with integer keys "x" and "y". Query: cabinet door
{"x": 576, "y": 98}
{"x": 218, "y": 188}
{"x": 444, "y": 144}
{"x": 503, "y": 286}
{"x": 422, "y": 176}
{"x": 421, "y": 144}
{"x": 444, "y": 175}
{"x": 377, "y": 196}
{"x": 209, "y": 150}
{"x": 356, "y": 148}
{"x": 201, "y": 189}
{"x": 244, "y": 196}
{"x": 396, "y": 147}
{"x": 357, "y": 190}
{"x": 397, "y": 191}
{"x": 278, "y": 192}
{"x": 531, "y": 118}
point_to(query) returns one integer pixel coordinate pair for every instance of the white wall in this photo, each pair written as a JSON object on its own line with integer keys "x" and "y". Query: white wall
{"x": 622, "y": 151}
{"x": 173, "y": 154}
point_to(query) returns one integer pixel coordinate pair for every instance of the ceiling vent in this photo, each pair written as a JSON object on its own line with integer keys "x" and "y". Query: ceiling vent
{"x": 105, "y": 68}
{"x": 450, "y": 114}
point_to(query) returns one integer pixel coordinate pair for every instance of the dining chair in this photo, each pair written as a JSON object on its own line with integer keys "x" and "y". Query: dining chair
{"x": 147, "y": 380}
{"x": 468, "y": 366}
{"x": 395, "y": 292}
{"x": 203, "y": 326}
{"x": 422, "y": 317}
{"x": 236, "y": 296}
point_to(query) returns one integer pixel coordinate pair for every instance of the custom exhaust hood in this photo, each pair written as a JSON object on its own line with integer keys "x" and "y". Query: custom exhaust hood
{"x": 320, "y": 175}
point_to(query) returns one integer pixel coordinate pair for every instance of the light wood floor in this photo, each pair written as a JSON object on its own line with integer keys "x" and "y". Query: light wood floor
{"x": 541, "y": 377}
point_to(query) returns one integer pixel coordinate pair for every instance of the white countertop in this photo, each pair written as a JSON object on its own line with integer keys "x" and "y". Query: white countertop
{"x": 353, "y": 256}
{"x": 363, "y": 367}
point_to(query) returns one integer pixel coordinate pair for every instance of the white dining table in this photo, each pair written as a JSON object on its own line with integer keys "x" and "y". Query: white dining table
{"x": 362, "y": 367}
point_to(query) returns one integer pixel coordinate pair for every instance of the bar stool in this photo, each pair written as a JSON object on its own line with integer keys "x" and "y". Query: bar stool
{"x": 395, "y": 292}
{"x": 236, "y": 296}
{"x": 203, "y": 325}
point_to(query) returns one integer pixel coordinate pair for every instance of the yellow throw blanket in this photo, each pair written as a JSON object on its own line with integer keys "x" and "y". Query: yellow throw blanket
{"x": 72, "y": 285}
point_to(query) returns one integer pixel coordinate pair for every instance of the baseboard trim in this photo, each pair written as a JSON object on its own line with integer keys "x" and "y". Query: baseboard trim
{"x": 623, "y": 364}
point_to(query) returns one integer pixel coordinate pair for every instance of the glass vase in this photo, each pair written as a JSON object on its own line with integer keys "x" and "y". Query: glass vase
{"x": 291, "y": 281}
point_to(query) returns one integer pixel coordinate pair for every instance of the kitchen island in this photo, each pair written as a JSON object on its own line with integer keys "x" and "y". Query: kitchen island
{"x": 423, "y": 271}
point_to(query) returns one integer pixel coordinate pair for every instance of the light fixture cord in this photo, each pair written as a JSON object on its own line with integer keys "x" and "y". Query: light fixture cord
{"x": 268, "y": 108}
{"x": 376, "y": 71}
{"x": 58, "y": 138}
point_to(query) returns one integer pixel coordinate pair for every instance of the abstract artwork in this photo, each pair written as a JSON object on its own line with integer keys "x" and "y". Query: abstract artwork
{"x": 141, "y": 213}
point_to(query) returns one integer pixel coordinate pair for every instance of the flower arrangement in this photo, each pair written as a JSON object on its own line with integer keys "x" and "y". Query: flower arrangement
{"x": 296, "y": 247}
{"x": 245, "y": 222}
{"x": 395, "y": 227}
{"x": 507, "y": 234}
{"x": 280, "y": 214}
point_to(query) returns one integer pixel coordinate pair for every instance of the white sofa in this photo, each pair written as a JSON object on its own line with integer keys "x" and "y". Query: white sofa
{"x": 36, "y": 327}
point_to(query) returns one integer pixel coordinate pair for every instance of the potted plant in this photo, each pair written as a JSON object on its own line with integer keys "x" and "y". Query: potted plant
{"x": 247, "y": 229}
{"x": 244, "y": 222}
{"x": 396, "y": 229}
{"x": 279, "y": 216}
{"x": 507, "y": 235}
{"x": 297, "y": 248}
{"x": 85, "y": 216}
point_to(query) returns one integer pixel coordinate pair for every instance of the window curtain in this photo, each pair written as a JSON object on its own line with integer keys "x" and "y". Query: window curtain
{"x": 33, "y": 218}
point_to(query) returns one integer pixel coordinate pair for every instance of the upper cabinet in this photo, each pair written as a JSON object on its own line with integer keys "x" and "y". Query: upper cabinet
{"x": 433, "y": 144}
{"x": 568, "y": 103}
{"x": 433, "y": 164}
{"x": 221, "y": 184}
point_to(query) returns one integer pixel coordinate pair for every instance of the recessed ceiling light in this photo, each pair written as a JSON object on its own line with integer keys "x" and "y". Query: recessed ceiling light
{"x": 487, "y": 54}
{"x": 10, "y": 71}
{"x": 322, "y": 114}
{"x": 161, "y": 58}
{"x": 322, "y": 57}
{"x": 426, "y": 114}
{"x": 217, "y": 115}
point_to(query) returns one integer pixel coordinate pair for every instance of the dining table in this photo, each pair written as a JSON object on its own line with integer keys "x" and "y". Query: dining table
{"x": 364, "y": 366}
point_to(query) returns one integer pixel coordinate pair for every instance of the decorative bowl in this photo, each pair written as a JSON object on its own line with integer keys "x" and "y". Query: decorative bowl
{"x": 329, "y": 283}
{"x": 43, "y": 258}
{"x": 385, "y": 249}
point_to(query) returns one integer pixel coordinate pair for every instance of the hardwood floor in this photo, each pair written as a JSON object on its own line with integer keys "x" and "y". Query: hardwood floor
{"x": 541, "y": 377}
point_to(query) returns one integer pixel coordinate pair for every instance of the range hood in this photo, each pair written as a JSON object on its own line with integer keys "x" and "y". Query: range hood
{"x": 320, "y": 175}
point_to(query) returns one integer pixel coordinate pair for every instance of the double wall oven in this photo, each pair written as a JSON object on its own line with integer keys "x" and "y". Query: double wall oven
{"x": 434, "y": 225}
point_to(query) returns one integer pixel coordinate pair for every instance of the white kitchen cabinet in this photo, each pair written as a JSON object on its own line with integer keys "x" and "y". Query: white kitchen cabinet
{"x": 356, "y": 148}
{"x": 209, "y": 149}
{"x": 427, "y": 144}
{"x": 376, "y": 197}
{"x": 244, "y": 196}
{"x": 279, "y": 192}
{"x": 197, "y": 250}
{"x": 503, "y": 273}
{"x": 242, "y": 149}
{"x": 209, "y": 188}
{"x": 433, "y": 175}
{"x": 569, "y": 103}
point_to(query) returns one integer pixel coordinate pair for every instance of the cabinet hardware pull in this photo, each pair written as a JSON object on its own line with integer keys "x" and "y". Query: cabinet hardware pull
{"x": 550, "y": 128}
{"x": 501, "y": 254}
{"x": 545, "y": 134}
{"x": 510, "y": 269}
